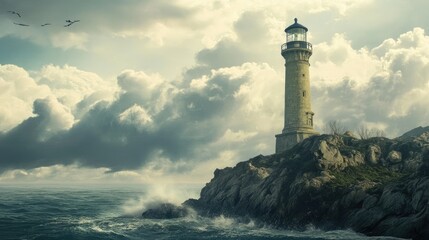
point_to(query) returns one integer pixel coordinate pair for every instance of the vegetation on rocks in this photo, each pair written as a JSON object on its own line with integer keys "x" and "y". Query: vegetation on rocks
{"x": 375, "y": 175}
{"x": 377, "y": 186}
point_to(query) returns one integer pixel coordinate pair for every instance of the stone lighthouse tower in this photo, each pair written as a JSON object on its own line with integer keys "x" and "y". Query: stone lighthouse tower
{"x": 298, "y": 118}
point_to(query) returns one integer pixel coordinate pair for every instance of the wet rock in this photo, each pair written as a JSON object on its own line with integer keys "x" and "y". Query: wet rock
{"x": 165, "y": 211}
{"x": 376, "y": 186}
{"x": 373, "y": 154}
{"x": 349, "y": 134}
{"x": 394, "y": 157}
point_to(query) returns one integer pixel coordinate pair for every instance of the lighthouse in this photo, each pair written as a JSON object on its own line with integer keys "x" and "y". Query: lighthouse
{"x": 298, "y": 117}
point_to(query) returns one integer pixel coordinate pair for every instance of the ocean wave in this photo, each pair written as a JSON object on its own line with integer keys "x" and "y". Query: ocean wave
{"x": 115, "y": 214}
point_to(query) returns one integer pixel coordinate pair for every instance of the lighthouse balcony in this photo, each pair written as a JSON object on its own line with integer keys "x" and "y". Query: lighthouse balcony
{"x": 297, "y": 45}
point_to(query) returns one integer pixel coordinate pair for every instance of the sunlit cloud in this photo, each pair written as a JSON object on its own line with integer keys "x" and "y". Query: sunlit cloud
{"x": 168, "y": 91}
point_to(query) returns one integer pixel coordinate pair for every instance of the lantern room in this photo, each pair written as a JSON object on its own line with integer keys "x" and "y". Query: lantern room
{"x": 296, "y": 38}
{"x": 296, "y": 32}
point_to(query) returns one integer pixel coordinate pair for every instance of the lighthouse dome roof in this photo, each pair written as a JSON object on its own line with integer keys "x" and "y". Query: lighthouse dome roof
{"x": 296, "y": 25}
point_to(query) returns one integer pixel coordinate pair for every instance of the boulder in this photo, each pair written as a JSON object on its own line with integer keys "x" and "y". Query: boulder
{"x": 394, "y": 157}
{"x": 165, "y": 211}
{"x": 373, "y": 154}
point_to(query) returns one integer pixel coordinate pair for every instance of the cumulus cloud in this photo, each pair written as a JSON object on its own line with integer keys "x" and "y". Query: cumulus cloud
{"x": 335, "y": 60}
{"x": 18, "y": 91}
{"x": 137, "y": 116}
{"x": 252, "y": 43}
{"x": 150, "y": 120}
{"x": 54, "y": 116}
{"x": 225, "y": 107}
{"x": 71, "y": 85}
{"x": 77, "y": 90}
{"x": 382, "y": 87}
{"x": 151, "y": 91}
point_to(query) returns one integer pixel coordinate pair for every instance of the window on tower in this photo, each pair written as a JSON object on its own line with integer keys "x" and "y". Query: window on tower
{"x": 309, "y": 118}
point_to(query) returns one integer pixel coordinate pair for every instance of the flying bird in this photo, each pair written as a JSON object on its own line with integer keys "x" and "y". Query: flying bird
{"x": 46, "y": 24}
{"x": 70, "y": 22}
{"x": 21, "y": 24}
{"x": 13, "y": 12}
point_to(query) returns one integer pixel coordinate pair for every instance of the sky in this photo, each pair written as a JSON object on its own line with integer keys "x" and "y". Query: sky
{"x": 157, "y": 91}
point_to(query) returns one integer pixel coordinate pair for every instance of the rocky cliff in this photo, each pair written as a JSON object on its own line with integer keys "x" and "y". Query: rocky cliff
{"x": 376, "y": 186}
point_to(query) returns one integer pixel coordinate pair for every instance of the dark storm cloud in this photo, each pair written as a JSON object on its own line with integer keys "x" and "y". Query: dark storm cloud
{"x": 187, "y": 121}
{"x": 150, "y": 118}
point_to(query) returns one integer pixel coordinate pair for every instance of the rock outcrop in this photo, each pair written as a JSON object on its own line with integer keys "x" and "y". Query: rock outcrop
{"x": 165, "y": 211}
{"x": 376, "y": 186}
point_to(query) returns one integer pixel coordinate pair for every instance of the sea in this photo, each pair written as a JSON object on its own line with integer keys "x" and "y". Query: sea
{"x": 113, "y": 212}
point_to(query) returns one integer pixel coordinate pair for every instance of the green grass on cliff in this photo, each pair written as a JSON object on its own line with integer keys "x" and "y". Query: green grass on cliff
{"x": 353, "y": 176}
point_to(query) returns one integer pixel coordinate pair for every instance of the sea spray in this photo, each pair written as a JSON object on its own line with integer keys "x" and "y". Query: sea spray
{"x": 155, "y": 194}
{"x": 99, "y": 214}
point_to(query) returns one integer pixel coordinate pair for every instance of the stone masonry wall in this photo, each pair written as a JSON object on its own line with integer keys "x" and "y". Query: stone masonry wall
{"x": 297, "y": 92}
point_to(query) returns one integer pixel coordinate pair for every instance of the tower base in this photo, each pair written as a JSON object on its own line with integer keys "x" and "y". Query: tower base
{"x": 285, "y": 141}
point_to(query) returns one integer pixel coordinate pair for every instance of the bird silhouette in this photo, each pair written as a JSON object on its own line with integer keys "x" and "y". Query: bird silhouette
{"x": 21, "y": 24}
{"x": 46, "y": 24}
{"x": 13, "y": 12}
{"x": 70, "y": 22}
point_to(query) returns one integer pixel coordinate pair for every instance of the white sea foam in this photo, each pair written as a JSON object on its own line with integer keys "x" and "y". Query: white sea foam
{"x": 157, "y": 194}
{"x": 85, "y": 221}
{"x": 221, "y": 226}
{"x": 223, "y": 222}
{"x": 99, "y": 229}
{"x": 88, "y": 214}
